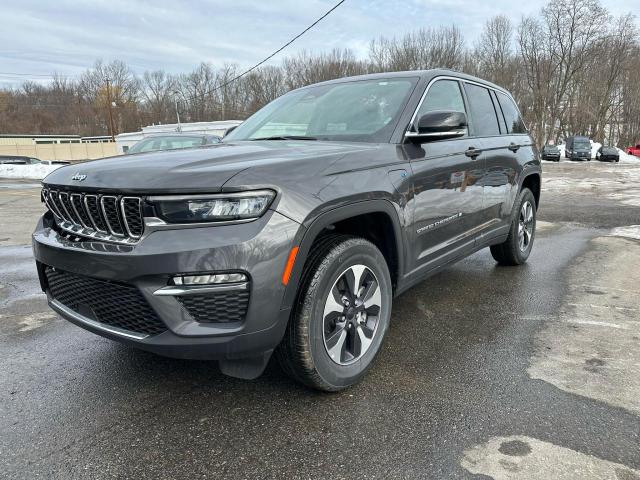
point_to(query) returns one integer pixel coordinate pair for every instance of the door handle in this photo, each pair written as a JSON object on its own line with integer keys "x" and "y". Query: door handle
{"x": 472, "y": 152}
{"x": 513, "y": 147}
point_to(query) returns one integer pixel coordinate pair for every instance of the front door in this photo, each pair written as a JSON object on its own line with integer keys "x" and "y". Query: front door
{"x": 447, "y": 189}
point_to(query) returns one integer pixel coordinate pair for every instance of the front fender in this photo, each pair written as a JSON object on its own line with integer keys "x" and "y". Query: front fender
{"x": 313, "y": 227}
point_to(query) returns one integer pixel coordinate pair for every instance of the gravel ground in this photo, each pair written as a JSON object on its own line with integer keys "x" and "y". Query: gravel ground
{"x": 487, "y": 372}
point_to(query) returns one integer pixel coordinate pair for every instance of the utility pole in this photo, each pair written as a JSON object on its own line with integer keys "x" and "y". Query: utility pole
{"x": 175, "y": 100}
{"x": 110, "y": 105}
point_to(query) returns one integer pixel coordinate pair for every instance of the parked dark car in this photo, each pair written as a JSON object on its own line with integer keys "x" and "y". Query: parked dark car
{"x": 295, "y": 234}
{"x": 578, "y": 148}
{"x": 23, "y": 160}
{"x": 608, "y": 154}
{"x": 172, "y": 142}
{"x": 550, "y": 152}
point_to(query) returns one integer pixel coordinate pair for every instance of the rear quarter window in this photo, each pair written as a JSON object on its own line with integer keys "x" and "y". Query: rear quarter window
{"x": 511, "y": 114}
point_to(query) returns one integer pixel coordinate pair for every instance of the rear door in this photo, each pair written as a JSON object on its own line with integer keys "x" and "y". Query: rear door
{"x": 497, "y": 160}
{"x": 519, "y": 142}
{"x": 447, "y": 196}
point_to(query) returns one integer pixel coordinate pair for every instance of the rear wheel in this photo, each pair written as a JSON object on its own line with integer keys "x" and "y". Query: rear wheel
{"x": 341, "y": 315}
{"x": 516, "y": 248}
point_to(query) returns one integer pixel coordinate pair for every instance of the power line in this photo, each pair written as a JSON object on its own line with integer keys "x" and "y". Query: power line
{"x": 326, "y": 14}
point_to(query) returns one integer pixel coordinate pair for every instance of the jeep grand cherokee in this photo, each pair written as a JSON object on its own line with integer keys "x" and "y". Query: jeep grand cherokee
{"x": 295, "y": 233}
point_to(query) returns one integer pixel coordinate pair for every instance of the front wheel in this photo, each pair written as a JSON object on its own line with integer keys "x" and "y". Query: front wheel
{"x": 341, "y": 315}
{"x": 515, "y": 250}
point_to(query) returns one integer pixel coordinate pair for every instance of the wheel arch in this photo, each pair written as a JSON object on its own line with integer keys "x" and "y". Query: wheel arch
{"x": 335, "y": 220}
{"x": 532, "y": 181}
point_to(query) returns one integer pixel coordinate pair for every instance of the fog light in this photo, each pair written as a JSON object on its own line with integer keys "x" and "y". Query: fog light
{"x": 210, "y": 279}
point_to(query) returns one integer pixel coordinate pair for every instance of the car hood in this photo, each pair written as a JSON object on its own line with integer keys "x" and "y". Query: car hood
{"x": 203, "y": 169}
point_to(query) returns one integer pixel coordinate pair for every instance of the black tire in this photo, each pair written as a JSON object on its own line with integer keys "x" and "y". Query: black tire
{"x": 510, "y": 252}
{"x": 303, "y": 353}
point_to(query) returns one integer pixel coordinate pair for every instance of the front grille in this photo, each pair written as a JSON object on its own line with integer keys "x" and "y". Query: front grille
{"x": 112, "y": 304}
{"x": 112, "y": 218}
{"x": 80, "y": 210}
{"x": 112, "y": 214}
{"x": 131, "y": 209}
{"x": 93, "y": 209}
{"x": 222, "y": 307}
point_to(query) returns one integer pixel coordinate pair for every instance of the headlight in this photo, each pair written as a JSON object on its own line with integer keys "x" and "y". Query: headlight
{"x": 222, "y": 207}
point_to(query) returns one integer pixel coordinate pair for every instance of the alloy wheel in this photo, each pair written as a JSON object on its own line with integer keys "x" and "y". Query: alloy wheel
{"x": 351, "y": 314}
{"x": 525, "y": 226}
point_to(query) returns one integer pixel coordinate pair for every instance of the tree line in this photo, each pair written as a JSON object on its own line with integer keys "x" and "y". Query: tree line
{"x": 573, "y": 68}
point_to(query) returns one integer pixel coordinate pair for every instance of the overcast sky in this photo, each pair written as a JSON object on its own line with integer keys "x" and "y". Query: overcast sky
{"x": 39, "y": 37}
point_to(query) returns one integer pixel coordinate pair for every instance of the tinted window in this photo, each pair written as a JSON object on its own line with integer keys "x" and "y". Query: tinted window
{"x": 511, "y": 114}
{"x": 483, "y": 115}
{"x": 442, "y": 95}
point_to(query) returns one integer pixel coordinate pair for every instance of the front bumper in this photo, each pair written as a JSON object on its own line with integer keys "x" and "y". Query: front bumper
{"x": 259, "y": 249}
{"x": 580, "y": 157}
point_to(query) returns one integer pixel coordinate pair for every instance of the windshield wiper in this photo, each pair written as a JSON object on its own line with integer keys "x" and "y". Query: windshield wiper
{"x": 285, "y": 137}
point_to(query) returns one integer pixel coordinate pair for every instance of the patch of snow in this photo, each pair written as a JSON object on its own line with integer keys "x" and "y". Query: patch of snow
{"x": 36, "y": 172}
{"x": 631, "y": 231}
{"x": 626, "y": 158}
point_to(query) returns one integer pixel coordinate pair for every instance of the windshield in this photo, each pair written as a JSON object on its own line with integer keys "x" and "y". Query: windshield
{"x": 582, "y": 144}
{"x": 360, "y": 111}
{"x": 165, "y": 143}
{"x": 551, "y": 148}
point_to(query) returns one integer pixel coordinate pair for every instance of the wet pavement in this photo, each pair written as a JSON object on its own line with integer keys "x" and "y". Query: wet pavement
{"x": 486, "y": 372}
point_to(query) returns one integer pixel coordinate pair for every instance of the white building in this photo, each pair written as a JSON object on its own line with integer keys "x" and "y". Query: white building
{"x": 210, "y": 128}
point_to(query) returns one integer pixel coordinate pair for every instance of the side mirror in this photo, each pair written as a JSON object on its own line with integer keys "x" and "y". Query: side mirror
{"x": 438, "y": 125}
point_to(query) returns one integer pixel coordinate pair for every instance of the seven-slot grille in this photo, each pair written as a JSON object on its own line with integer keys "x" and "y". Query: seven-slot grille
{"x": 112, "y": 218}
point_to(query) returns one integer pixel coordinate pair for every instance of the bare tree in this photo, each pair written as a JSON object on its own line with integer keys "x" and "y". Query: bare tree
{"x": 441, "y": 47}
{"x": 305, "y": 68}
{"x": 158, "y": 93}
{"x": 494, "y": 56}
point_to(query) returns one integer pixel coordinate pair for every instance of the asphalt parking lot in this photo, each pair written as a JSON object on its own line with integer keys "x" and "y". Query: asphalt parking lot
{"x": 487, "y": 372}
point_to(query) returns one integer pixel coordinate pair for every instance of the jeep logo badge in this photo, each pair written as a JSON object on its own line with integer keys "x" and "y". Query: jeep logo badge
{"x": 78, "y": 177}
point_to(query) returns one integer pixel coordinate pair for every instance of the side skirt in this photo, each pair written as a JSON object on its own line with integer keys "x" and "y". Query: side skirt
{"x": 495, "y": 237}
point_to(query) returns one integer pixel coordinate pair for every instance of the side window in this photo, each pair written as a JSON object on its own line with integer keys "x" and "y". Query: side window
{"x": 483, "y": 114}
{"x": 511, "y": 115}
{"x": 442, "y": 95}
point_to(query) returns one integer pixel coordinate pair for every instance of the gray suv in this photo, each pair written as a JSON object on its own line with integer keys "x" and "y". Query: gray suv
{"x": 294, "y": 234}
